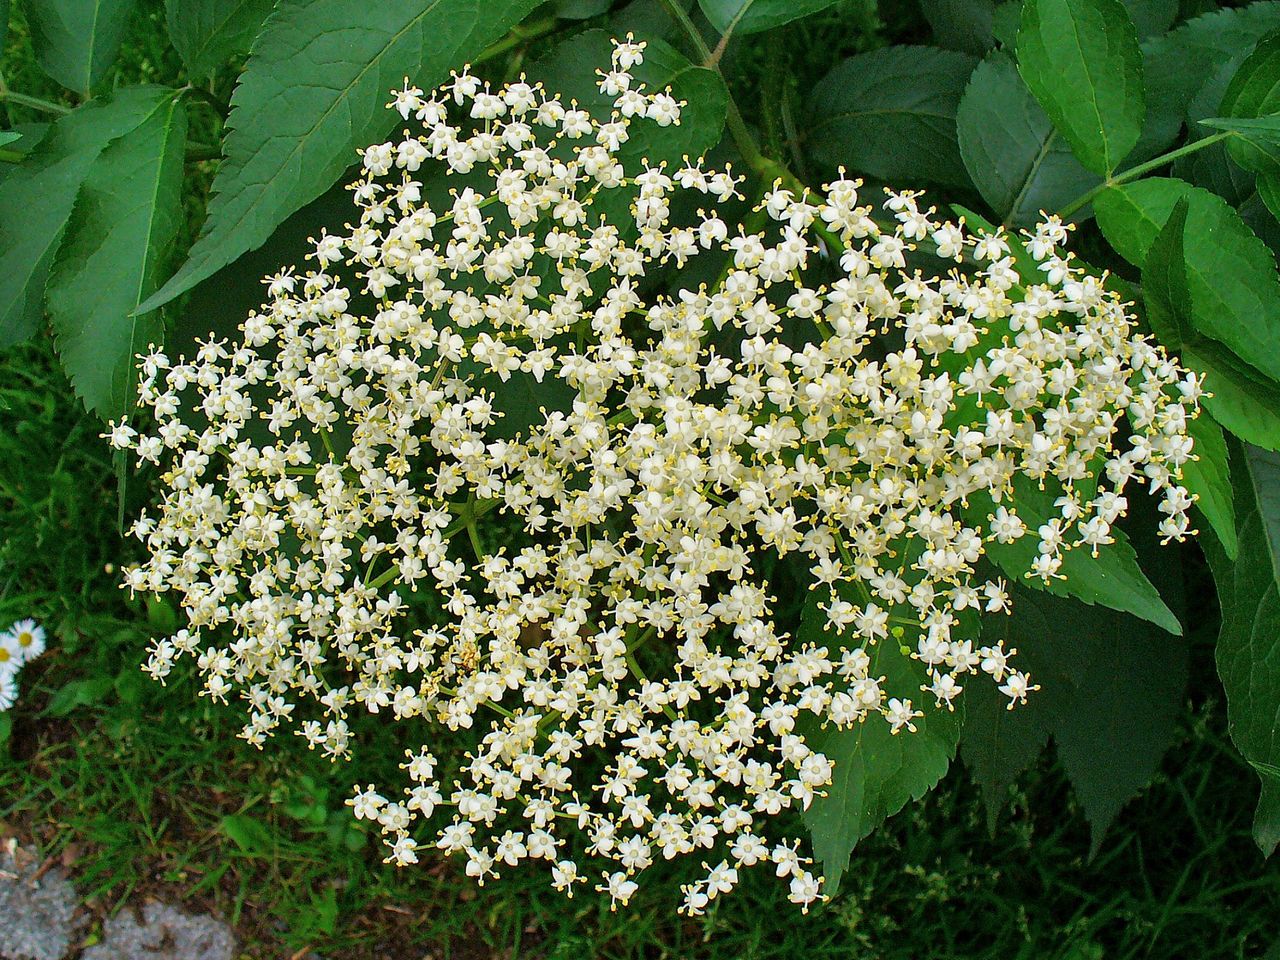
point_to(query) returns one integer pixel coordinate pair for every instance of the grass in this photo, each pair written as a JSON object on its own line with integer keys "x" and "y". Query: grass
{"x": 144, "y": 790}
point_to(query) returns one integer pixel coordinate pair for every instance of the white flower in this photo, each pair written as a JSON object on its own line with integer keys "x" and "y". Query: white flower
{"x": 8, "y": 689}
{"x": 30, "y": 638}
{"x": 614, "y": 663}
{"x": 11, "y": 652}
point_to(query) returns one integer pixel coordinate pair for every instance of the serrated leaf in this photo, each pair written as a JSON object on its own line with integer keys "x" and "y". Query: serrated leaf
{"x": 37, "y": 197}
{"x": 1264, "y": 476}
{"x": 207, "y": 33}
{"x": 1176, "y": 65}
{"x": 1239, "y": 397}
{"x": 998, "y": 744}
{"x": 1082, "y": 61}
{"x": 1017, "y": 160}
{"x": 1208, "y": 477}
{"x": 875, "y": 772}
{"x": 1255, "y": 144}
{"x": 967, "y": 25}
{"x": 1254, "y": 94}
{"x": 1151, "y": 18}
{"x": 1268, "y": 187}
{"x": 754, "y": 16}
{"x": 1231, "y": 274}
{"x": 1111, "y": 689}
{"x": 581, "y": 9}
{"x": 1113, "y": 579}
{"x": 1164, "y": 281}
{"x": 1248, "y": 651}
{"x": 891, "y": 113}
{"x": 1210, "y": 167}
{"x": 1242, "y": 399}
{"x": 1164, "y": 287}
{"x": 314, "y": 91}
{"x": 118, "y": 242}
{"x": 1005, "y": 23}
{"x": 76, "y": 41}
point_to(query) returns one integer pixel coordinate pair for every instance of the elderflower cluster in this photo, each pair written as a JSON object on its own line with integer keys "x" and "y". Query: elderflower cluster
{"x": 610, "y": 660}
{"x": 19, "y": 645}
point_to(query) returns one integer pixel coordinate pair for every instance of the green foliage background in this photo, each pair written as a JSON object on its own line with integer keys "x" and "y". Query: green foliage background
{"x": 157, "y": 158}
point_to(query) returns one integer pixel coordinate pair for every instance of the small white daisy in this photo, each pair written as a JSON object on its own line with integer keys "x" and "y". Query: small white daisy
{"x": 10, "y": 652}
{"x": 30, "y": 637}
{"x": 8, "y": 689}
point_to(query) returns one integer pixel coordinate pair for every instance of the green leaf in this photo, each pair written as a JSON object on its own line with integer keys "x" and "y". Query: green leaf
{"x": 1113, "y": 579}
{"x": 207, "y": 33}
{"x": 19, "y": 142}
{"x": 1264, "y": 475}
{"x": 118, "y": 242}
{"x": 79, "y": 693}
{"x": 1211, "y": 167}
{"x": 754, "y": 16}
{"x": 1208, "y": 477}
{"x": 1248, "y": 651}
{"x": 875, "y": 772}
{"x": 581, "y": 9}
{"x": 1231, "y": 274}
{"x": 1130, "y": 216}
{"x": 1164, "y": 286}
{"x": 1005, "y": 23}
{"x": 1017, "y": 160}
{"x": 891, "y": 113}
{"x": 313, "y": 91}
{"x": 76, "y": 41}
{"x": 248, "y": 833}
{"x": 1239, "y": 397}
{"x": 1151, "y": 18}
{"x": 1242, "y": 399}
{"x": 1111, "y": 690}
{"x": 6, "y": 719}
{"x": 1175, "y": 65}
{"x": 1164, "y": 280}
{"x": 967, "y": 25}
{"x": 37, "y": 197}
{"x": 1256, "y": 144}
{"x": 1082, "y": 61}
{"x": 1268, "y": 186}
{"x": 1254, "y": 95}
{"x": 998, "y": 744}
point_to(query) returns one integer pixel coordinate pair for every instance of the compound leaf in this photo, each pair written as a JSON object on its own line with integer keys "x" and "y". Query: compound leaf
{"x": 314, "y": 91}
{"x": 118, "y": 242}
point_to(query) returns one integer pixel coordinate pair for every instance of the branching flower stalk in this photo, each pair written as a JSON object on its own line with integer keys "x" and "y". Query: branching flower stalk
{"x": 615, "y": 663}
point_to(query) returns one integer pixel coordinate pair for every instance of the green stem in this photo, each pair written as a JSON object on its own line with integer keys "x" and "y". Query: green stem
{"x": 1134, "y": 172}
{"x": 222, "y": 108}
{"x": 518, "y": 35}
{"x": 35, "y": 103}
{"x": 202, "y": 151}
{"x": 734, "y": 123}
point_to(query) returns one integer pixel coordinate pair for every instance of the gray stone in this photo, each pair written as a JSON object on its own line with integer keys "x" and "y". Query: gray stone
{"x": 39, "y": 913}
{"x": 164, "y": 933}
